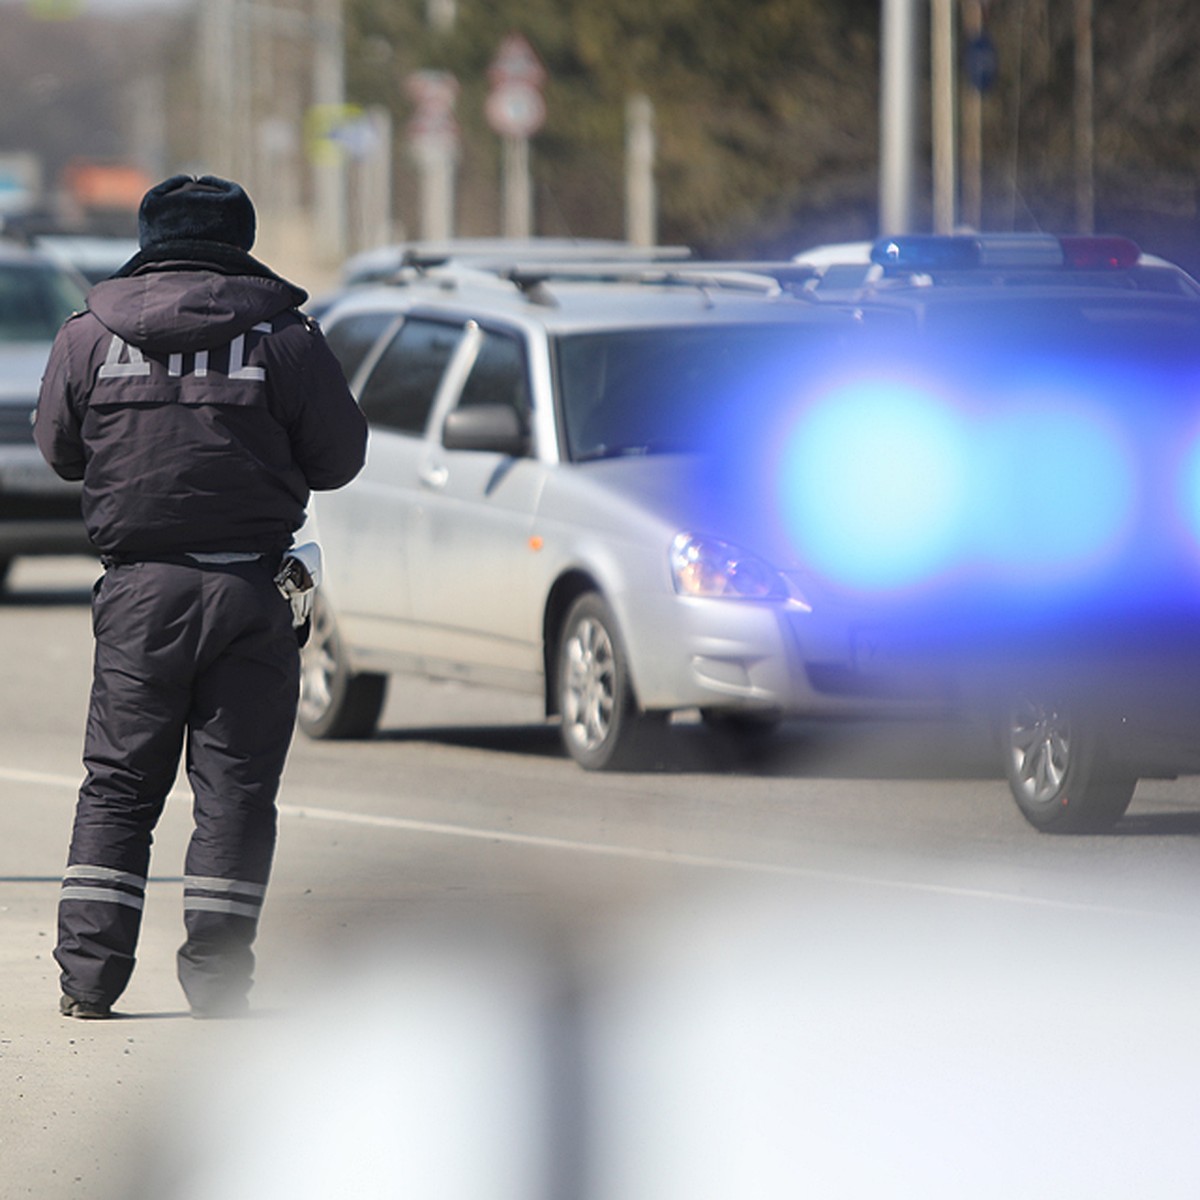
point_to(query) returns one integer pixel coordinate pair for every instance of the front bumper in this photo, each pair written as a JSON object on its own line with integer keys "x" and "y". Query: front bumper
{"x": 750, "y": 655}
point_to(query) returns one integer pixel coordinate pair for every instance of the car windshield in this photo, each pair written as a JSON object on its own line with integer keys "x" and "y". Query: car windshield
{"x": 35, "y": 300}
{"x": 670, "y": 389}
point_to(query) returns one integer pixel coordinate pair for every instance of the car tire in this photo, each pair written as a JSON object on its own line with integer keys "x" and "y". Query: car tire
{"x": 335, "y": 703}
{"x": 602, "y": 728}
{"x": 5, "y": 567}
{"x": 1057, "y": 769}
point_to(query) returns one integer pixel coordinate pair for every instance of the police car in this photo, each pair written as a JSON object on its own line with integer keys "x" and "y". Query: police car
{"x": 1007, "y": 490}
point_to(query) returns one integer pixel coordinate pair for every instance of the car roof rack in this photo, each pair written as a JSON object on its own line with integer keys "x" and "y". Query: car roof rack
{"x": 425, "y": 259}
{"x": 760, "y": 278}
{"x": 662, "y": 267}
{"x": 480, "y": 257}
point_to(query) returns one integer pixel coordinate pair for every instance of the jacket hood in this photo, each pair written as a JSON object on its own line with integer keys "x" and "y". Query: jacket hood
{"x": 184, "y": 306}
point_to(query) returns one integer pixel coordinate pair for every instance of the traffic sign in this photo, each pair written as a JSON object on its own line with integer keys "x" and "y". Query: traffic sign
{"x": 434, "y": 93}
{"x": 516, "y": 62}
{"x": 515, "y": 110}
{"x": 327, "y": 129}
{"x": 514, "y": 107}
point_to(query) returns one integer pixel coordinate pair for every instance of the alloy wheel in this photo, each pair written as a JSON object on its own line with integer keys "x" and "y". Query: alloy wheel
{"x": 590, "y": 684}
{"x": 1040, "y": 746}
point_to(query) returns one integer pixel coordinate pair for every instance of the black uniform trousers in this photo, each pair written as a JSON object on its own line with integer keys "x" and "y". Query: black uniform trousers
{"x": 192, "y": 657}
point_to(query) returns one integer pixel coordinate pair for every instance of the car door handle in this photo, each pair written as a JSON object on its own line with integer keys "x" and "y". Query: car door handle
{"x": 433, "y": 475}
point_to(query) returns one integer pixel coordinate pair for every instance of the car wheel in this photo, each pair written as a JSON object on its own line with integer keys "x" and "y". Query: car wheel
{"x": 5, "y": 567}
{"x": 335, "y": 702}
{"x": 601, "y": 725}
{"x": 1057, "y": 769}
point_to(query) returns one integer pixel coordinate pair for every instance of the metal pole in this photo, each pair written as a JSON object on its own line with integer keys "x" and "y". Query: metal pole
{"x": 1085, "y": 138}
{"x": 640, "y": 200}
{"x": 329, "y": 88}
{"x": 518, "y": 189}
{"x": 218, "y": 64}
{"x": 375, "y": 183}
{"x": 435, "y": 155}
{"x": 897, "y": 115}
{"x": 972, "y": 129}
{"x": 943, "y": 79}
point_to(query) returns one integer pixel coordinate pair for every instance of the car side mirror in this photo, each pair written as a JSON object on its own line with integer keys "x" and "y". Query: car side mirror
{"x": 492, "y": 427}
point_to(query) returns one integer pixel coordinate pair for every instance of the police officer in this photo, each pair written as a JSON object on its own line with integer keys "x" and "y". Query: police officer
{"x": 199, "y": 407}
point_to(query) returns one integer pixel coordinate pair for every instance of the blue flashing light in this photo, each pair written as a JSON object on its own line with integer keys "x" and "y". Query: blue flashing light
{"x": 925, "y": 252}
{"x": 1189, "y": 481}
{"x": 873, "y": 485}
{"x": 1056, "y": 490}
{"x": 889, "y": 487}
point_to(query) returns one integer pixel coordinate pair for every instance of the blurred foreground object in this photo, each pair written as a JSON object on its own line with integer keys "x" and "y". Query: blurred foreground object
{"x": 815, "y": 1042}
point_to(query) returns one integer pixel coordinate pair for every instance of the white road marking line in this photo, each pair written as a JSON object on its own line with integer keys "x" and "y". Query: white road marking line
{"x": 14, "y": 775}
{"x": 640, "y": 854}
{"x": 46, "y": 779}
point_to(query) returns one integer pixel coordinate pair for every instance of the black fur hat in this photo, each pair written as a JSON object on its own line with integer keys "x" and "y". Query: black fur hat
{"x": 185, "y": 208}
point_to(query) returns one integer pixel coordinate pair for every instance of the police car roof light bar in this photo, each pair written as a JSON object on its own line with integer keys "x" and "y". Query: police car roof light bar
{"x": 1024, "y": 251}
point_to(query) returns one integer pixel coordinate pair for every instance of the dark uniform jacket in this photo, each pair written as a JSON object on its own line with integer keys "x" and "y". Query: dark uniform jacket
{"x": 198, "y": 406}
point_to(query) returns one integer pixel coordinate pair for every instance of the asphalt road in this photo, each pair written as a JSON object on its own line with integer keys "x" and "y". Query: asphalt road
{"x": 841, "y": 966}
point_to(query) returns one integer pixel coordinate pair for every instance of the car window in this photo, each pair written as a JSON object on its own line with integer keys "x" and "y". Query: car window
{"x": 499, "y": 375}
{"x": 400, "y": 390}
{"x": 34, "y": 301}
{"x": 351, "y": 339}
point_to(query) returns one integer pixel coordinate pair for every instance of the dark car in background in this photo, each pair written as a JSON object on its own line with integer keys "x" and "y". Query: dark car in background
{"x": 93, "y": 256}
{"x": 39, "y": 513}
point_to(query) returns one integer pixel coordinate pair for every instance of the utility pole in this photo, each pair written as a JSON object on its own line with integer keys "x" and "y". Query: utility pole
{"x": 897, "y": 115}
{"x": 329, "y": 88}
{"x": 218, "y": 63}
{"x": 1085, "y": 138}
{"x": 972, "y": 124}
{"x": 943, "y": 79}
{"x": 440, "y": 14}
{"x": 641, "y": 218}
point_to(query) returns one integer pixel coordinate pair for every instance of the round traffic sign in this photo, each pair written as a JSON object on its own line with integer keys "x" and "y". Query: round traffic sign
{"x": 515, "y": 109}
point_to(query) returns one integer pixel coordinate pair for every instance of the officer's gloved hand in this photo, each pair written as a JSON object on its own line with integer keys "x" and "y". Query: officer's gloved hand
{"x": 298, "y": 578}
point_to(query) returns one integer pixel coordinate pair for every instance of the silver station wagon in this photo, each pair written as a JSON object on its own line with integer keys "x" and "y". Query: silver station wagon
{"x": 567, "y": 494}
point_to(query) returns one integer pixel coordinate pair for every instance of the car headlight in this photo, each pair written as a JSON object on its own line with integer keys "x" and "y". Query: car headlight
{"x": 703, "y": 566}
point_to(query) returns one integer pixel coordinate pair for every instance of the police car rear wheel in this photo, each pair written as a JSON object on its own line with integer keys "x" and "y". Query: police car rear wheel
{"x": 1057, "y": 769}
{"x": 335, "y": 703}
